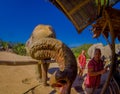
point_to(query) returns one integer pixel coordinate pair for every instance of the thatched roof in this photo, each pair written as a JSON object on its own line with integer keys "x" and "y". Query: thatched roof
{"x": 105, "y": 23}
{"x": 82, "y": 12}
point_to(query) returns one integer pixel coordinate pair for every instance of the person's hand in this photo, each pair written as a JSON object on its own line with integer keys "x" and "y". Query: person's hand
{"x": 103, "y": 71}
{"x": 107, "y": 67}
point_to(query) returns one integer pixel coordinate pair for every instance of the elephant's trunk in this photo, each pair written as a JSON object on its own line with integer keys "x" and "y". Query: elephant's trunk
{"x": 52, "y": 48}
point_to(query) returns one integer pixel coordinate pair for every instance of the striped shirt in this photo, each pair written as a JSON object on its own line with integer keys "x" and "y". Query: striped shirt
{"x": 94, "y": 81}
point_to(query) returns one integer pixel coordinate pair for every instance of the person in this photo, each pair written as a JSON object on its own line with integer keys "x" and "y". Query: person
{"x": 81, "y": 62}
{"x": 95, "y": 70}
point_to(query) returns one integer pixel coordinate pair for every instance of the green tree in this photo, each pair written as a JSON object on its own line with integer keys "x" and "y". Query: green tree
{"x": 4, "y": 45}
{"x": 77, "y": 50}
{"x": 19, "y": 48}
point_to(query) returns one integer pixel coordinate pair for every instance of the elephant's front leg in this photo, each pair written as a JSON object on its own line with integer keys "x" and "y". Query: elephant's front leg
{"x": 44, "y": 67}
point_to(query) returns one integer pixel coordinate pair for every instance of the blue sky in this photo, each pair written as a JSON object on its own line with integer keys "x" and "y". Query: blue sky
{"x": 18, "y": 18}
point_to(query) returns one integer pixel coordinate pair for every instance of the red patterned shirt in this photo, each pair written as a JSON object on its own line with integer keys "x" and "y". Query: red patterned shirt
{"x": 93, "y": 81}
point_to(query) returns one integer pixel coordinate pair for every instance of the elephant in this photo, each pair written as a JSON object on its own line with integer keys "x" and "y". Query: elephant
{"x": 39, "y": 32}
{"x": 43, "y": 46}
{"x": 52, "y": 48}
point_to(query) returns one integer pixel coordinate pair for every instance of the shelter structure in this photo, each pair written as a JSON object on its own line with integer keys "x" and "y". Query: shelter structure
{"x": 104, "y": 19}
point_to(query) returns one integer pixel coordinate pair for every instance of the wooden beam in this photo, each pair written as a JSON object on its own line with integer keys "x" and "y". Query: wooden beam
{"x": 68, "y": 14}
{"x": 104, "y": 26}
{"x": 106, "y": 23}
{"x": 111, "y": 27}
{"x": 99, "y": 7}
{"x": 78, "y": 6}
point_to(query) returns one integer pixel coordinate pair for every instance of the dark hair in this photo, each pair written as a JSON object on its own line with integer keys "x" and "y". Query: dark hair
{"x": 97, "y": 49}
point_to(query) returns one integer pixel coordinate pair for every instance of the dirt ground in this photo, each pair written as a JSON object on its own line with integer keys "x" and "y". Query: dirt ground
{"x": 24, "y": 79}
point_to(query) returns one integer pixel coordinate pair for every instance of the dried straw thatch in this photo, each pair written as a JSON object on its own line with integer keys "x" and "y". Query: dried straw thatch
{"x": 82, "y": 12}
{"x": 109, "y": 21}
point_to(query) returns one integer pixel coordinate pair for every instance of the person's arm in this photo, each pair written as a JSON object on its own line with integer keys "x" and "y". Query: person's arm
{"x": 84, "y": 62}
{"x": 92, "y": 73}
{"x": 91, "y": 70}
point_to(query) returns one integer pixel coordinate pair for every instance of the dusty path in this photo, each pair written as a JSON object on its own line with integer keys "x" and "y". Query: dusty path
{"x": 20, "y": 78}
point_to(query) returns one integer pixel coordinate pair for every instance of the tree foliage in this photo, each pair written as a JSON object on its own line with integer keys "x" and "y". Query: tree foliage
{"x": 19, "y": 48}
{"x": 77, "y": 50}
{"x": 4, "y": 45}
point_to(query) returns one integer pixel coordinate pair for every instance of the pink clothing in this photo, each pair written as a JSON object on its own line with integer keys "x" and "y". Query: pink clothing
{"x": 93, "y": 81}
{"x": 82, "y": 60}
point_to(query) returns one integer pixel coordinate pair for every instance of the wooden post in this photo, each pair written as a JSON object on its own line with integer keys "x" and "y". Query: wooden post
{"x": 112, "y": 46}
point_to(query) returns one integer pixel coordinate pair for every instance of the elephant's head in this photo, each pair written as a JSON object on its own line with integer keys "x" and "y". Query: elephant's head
{"x": 53, "y": 48}
{"x": 40, "y": 31}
